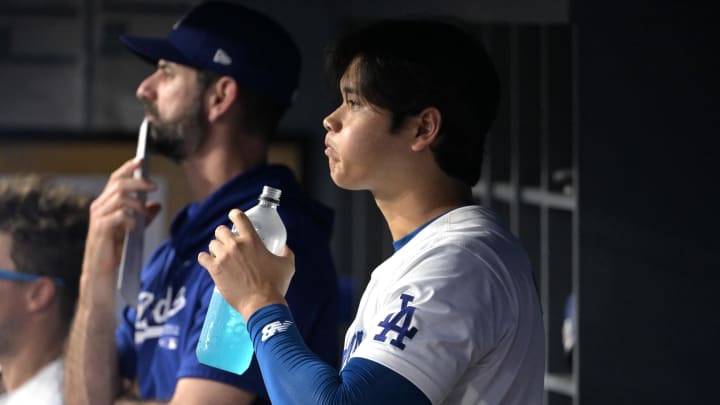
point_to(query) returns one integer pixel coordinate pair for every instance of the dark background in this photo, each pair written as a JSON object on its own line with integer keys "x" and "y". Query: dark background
{"x": 620, "y": 96}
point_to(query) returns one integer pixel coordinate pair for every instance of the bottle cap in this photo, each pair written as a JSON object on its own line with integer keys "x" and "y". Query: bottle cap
{"x": 271, "y": 194}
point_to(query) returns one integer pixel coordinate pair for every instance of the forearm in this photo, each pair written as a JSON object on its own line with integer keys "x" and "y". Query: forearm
{"x": 91, "y": 367}
{"x": 294, "y": 375}
{"x": 124, "y": 401}
{"x": 191, "y": 391}
{"x": 288, "y": 374}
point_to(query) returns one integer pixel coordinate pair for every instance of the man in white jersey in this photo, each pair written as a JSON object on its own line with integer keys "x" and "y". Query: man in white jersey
{"x": 453, "y": 316}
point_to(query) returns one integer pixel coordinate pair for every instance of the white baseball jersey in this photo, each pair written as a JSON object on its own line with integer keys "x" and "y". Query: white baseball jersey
{"x": 456, "y": 312}
{"x": 43, "y": 388}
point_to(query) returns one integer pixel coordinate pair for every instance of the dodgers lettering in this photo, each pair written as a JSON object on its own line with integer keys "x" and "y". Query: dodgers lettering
{"x": 354, "y": 343}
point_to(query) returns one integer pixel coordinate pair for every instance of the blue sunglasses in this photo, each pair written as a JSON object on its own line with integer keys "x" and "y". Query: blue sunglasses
{"x": 15, "y": 276}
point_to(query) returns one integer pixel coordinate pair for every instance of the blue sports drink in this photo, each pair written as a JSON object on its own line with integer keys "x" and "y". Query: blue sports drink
{"x": 224, "y": 340}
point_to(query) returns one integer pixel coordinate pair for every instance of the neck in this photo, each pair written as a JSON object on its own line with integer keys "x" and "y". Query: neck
{"x": 38, "y": 348}
{"x": 408, "y": 208}
{"x": 223, "y": 157}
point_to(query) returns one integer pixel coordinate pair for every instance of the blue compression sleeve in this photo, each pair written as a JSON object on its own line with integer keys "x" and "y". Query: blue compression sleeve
{"x": 294, "y": 375}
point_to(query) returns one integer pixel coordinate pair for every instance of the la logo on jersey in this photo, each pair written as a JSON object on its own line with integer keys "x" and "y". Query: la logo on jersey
{"x": 399, "y": 323}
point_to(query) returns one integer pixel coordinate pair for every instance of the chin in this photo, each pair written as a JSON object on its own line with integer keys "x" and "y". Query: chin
{"x": 345, "y": 183}
{"x": 338, "y": 180}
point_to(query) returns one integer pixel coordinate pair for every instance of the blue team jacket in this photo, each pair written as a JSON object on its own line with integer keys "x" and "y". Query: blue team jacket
{"x": 156, "y": 343}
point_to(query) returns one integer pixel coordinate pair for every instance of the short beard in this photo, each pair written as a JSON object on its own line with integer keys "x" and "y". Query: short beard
{"x": 179, "y": 138}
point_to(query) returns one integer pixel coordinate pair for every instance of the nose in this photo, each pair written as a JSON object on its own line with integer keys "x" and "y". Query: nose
{"x": 146, "y": 89}
{"x": 331, "y": 123}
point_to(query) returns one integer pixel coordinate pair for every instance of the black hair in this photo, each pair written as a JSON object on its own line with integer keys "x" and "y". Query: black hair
{"x": 405, "y": 66}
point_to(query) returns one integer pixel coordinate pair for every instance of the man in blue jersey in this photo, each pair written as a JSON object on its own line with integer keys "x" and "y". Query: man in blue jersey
{"x": 452, "y": 317}
{"x": 225, "y": 75}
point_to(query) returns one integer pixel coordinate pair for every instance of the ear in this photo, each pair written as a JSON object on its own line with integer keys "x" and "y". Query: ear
{"x": 40, "y": 294}
{"x": 427, "y": 127}
{"x": 220, "y": 96}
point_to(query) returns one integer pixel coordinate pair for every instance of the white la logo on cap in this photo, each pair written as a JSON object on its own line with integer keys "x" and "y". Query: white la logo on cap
{"x": 222, "y": 57}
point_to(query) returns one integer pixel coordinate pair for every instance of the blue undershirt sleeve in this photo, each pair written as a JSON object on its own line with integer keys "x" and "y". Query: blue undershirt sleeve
{"x": 294, "y": 375}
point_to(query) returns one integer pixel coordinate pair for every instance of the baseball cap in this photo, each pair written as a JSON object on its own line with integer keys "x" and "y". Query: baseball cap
{"x": 231, "y": 40}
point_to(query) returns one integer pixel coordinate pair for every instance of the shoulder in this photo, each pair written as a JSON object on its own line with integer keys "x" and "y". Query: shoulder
{"x": 466, "y": 238}
{"x": 462, "y": 261}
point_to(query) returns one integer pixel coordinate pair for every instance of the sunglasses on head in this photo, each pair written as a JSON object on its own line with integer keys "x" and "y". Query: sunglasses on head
{"x": 15, "y": 276}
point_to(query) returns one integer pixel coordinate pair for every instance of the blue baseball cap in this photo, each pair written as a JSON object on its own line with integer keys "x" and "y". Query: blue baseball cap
{"x": 231, "y": 40}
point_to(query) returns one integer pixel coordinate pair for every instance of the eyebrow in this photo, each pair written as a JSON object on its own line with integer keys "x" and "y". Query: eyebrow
{"x": 164, "y": 65}
{"x": 349, "y": 90}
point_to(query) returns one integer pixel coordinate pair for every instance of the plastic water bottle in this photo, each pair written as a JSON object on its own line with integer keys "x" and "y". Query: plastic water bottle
{"x": 224, "y": 341}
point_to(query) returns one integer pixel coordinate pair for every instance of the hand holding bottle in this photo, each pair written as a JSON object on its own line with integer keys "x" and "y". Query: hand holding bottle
{"x": 247, "y": 274}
